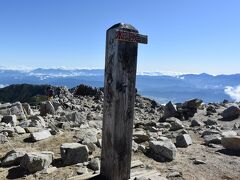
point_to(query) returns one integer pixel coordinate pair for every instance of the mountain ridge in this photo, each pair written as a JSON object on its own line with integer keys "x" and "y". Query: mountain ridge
{"x": 162, "y": 87}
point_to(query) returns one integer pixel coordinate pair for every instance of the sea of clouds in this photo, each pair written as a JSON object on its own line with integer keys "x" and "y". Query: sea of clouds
{"x": 233, "y": 92}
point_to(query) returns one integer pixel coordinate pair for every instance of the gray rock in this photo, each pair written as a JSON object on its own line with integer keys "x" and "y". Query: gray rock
{"x": 183, "y": 140}
{"x": 76, "y": 117}
{"x": 236, "y": 126}
{"x": 169, "y": 110}
{"x": 94, "y": 164}
{"x": 82, "y": 170}
{"x": 190, "y": 107}
{"x": 164, "y": 148}
{"x": 140, "y": 136}
{"x": 32, "y": 129}
{"x": 5, "y": 106}
{"x": 12, "y": 119}
{"x": 210, "y": 122}
{"x": 91, "y": 146}
{"x": 37, "y": 121}
{"x": 184, "y": 131}
{"x": 47, "y": 108}
{"x": 176, "y": 124}
{"x": 210, "y": 109}
{"x": 229, "y": 133}
{"x": 209, "y": 132}
{"x": 56, "y": 105}
{"x": 27, "y": 108}
{"x": 89, "y": 137}
{"x": 174, "y": 174}
{"x": 37, "y": 136}
{"x": 196, "y": 122}
{"x": 230, "y": 113}
{"x": 95, "y": 124}
{"x": 5, "y": 111}
{"x": 37, "y": 161}
{"x": 17, "y": 109}
{"x": 49, "y": 170}
{"x": 142, "y": 148}
{"x": 19, "y": 130}
{"x": 24, "y": 123}
{"x": 164, "y": 125}
{"x": 231, "y": 142}
{"x": 73, "y": 153}
{"x": 152, "y": 129}
{"x": 197, "y": 162}
{"x": 99, "y": 143}
{"x": 13, "y": 157}
{"x": 134, "y": 146}
{"x": 3, "y": 138}
{"x": 192, "y": 104}
{"x": 9, "y": 130}
{"x": 213, "y": 138}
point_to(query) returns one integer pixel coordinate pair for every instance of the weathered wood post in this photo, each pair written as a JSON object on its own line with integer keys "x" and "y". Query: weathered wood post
{"x": 119, "y": 97}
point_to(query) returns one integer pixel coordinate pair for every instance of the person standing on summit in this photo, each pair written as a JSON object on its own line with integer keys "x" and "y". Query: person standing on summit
{"x": 50, "y": 93}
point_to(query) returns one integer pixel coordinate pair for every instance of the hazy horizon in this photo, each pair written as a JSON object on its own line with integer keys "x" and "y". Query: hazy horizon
{"x": 28, "y": 68}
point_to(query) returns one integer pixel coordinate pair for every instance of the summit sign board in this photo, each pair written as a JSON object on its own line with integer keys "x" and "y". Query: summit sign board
{"x": 131, "y": 37}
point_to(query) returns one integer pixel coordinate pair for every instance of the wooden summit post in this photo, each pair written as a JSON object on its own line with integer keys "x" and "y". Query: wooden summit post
{"x": 119, "y": 98}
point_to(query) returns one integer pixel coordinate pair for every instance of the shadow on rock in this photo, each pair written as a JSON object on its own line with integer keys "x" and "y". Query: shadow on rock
{"x": 28, "y": 140}
{"x": 57, "y": 163}
{"x": 16, "y": 172}
{"x": 229, "y": 152}
{"x": 156, "y": 157}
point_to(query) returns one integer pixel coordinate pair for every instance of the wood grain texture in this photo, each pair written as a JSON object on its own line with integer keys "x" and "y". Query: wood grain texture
{"x": 118, "y": 111}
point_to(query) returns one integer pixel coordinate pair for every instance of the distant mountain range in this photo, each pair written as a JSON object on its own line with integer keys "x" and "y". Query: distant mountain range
{"x": 160, "y": 86}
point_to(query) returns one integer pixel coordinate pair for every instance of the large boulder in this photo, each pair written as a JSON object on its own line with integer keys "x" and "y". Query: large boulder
{"x": 47, "y": 108}
{"x": 163, "y": 149}
{"x": 183, "y": 140}
{"x": 13, "y": 109}
{"x": 231, "y": 142}
{"x": 169, "y": 110}
{"x": 11, "y": 119}
{"x": 230, "y": 113}
{"x": 37, "y": 121}
{"x": 192, "y": 104}
{"x": 37, "y": 136}
{"x": 176, "y": 124}
{"x": 36, "y": 161}
{"x": 75, "y": 118}
{"x": 17, "y": 109}
{"x": 73, "y": 153}
{"x": 27, "y": 108}
{"x": 13, "y": 157}
{"x": 189, "y": 108}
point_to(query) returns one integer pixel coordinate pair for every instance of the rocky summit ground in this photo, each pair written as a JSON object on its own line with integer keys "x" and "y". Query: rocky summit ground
{"x": 61, "y": 138}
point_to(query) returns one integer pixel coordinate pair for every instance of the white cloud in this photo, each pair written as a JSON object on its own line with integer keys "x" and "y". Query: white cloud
{"x": 233, "y": 92}
{"x": 3, "y": 85}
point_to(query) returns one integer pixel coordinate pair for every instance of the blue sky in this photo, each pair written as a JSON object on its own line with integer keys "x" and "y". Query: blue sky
{"x": 184, "y": 35}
